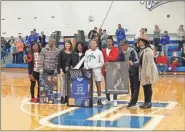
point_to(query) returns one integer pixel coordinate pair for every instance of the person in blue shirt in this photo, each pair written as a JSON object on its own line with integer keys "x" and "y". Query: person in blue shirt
{"x": 165, "y": 41}
{"x": 35, "y": 33}
{"x": 32, "y": 38}
{"x": 120, "y": 34}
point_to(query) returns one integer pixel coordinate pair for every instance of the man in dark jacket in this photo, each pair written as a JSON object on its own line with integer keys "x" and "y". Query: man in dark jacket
{"x": 42, "y": 39}
{"x": 129, "y": 55}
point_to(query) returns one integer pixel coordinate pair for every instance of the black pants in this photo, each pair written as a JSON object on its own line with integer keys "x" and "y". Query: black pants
{"x": 180, "y": 45}
{"x": 108, "y": 95}
{"x": 147, "y": 92}
{"x": 134, "y": 86}
{"x": 32, "y": 87}
{"x": 156, "y": 42}
{"x": 15, "y": 58}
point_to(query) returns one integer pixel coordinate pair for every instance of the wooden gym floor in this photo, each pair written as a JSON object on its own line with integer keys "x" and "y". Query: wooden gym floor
{"x": 17, "y": 113}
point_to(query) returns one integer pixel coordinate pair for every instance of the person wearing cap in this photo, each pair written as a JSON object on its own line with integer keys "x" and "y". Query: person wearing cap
{"x": 110, "y": 54}
{"x": 130, "y": 56}
{"x": 49, "y": 58}
{"x": 148, "y": 70}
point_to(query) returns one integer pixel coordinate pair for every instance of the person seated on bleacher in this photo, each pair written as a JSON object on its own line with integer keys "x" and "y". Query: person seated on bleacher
{"x": 183, "y": 57}
{"x": 175, "y": 61}
{"x": 165, "y": 41}
{"x": 162, "y": 61}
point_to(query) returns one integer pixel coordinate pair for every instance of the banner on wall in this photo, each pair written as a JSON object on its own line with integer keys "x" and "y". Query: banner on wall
{"x": 80, "y": 88}
{"x": 117, "y": 78}
{"x": 49, "y": 89}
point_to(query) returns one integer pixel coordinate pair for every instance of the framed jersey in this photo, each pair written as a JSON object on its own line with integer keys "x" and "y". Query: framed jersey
{"x": 49, "y": 90}
{"x": 117, "y": 78}
{"x": 80, "y": 88}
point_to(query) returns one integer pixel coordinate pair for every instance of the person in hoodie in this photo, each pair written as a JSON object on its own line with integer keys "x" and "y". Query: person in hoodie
{"x": 175, "y": 61}
{"x": 104, "y": 39}
{"x": 77, "y": 55}
{"x": 162, "y": 61}
{"x": 165, "y": 41}
{"x": 33, "y": 69}
{"x": 181, "y": 36}
{"x": 120, "y": 34}
{"x": 94, "y": 60}
{"x": 110, "y": 54}
{"x": 32, "y": 38}
{"x": 130, "y": 56}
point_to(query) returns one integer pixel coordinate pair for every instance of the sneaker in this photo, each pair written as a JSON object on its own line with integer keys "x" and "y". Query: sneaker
{"x": 105, "y": 102}
{"x": 115, "y": 103}
{"x": 33, "y": 100}
{"x": 146, "y": 105}
{"x": 131, "y": 105}
{"x": 99, "y": 102}
{"x": 37, "y": 99}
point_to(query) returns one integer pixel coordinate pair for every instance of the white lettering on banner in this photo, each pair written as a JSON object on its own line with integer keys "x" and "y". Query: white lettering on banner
{"x": 152, "y": 4}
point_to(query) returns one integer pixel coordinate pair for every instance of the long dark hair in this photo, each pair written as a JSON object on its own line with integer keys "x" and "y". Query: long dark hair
{"x": 146, "y": 43}
{"x": 71, "y": 48}
{"x": 33, "y": 45}
{"x": 84, "y": 47}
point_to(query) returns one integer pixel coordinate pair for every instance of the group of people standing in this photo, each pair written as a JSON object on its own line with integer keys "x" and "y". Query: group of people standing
{"x": 140, "y": 59}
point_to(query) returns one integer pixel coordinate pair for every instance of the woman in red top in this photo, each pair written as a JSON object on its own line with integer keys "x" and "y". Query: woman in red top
{"x": 162, "y": 61}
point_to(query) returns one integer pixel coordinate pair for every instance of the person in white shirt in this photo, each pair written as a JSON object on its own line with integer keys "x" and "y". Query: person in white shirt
{"x": 94, "y": 60}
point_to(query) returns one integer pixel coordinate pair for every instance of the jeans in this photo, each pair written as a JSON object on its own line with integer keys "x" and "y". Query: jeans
{"x": 165, "y": 49}
{"x": 162, "y": 68}
{"x": 20, "y": 57}
{"x": 15, "y": 58}
{"x": 180, "y": 45}
{"x": 156, "y": 42}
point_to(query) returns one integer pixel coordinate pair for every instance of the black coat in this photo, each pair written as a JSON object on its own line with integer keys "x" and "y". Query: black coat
{"x": 75, "y": 59}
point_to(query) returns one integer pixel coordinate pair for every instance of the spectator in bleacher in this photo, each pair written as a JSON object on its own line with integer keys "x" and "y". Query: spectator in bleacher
{"x": 181, "y": 37}
{"x": 139, "y": 34}
{"x": 104, "y": 37}
{"x": 26, "y": 41}
{"x": 20, "y": 49}
{"x": 11, "y": 38}
{"x": 165, "y": 41}
{"x": 35, "y": 33}
{"x": 120, "y": 34}
{"x": 32, "y": 38}
{"x": 22, "y": 40}
{"x": 145, "y": 32}
{"x": 42, "y": 39}
{"x": 156, "y": 39}
{"x": 93, "y": 34}
{"x": 162, "y": 61}
{"x": 183, "y": 57}
{"x": 175, "y": 61}
{"x": 13, "y": 51}
{"x": 99, "y": 38}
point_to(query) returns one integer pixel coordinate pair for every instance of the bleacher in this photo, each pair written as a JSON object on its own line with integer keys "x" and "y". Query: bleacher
{"x": 173, "y": 46}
